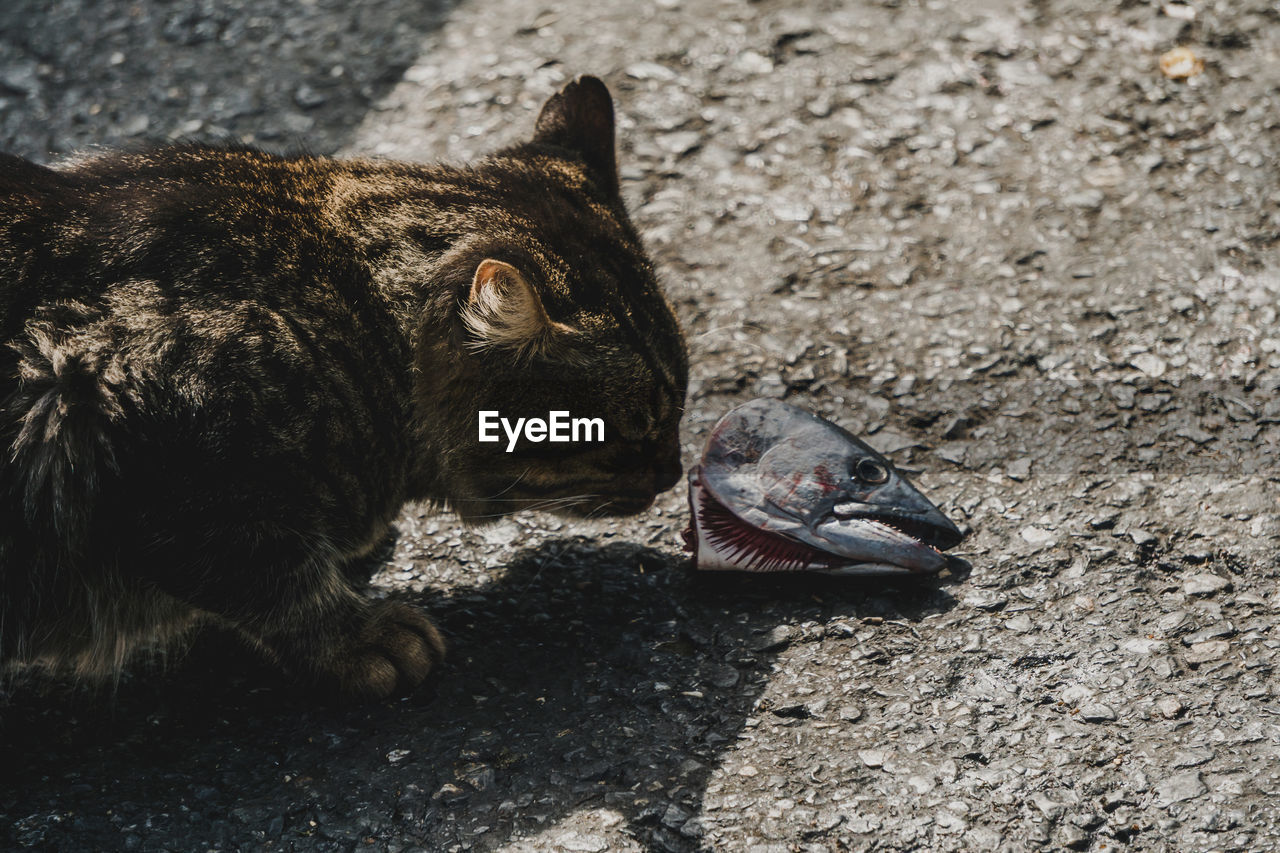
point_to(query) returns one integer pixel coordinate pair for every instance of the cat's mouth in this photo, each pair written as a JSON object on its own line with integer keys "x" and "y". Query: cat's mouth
{"x": 575, "y": 505}
{"x": 616, "y": 504}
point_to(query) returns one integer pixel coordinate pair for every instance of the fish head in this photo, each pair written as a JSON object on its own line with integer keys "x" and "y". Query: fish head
{"x": 781, "y": 489}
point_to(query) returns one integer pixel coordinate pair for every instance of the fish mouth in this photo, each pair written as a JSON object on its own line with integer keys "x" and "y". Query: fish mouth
{"x": 934, "y": 536}
{"x": 720, "y": 540}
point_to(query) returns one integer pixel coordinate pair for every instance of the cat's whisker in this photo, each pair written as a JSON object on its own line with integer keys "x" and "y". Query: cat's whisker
{"x": 747, "y": 324}
{"x": 514, "y": 483}
{"x": 731, "y": 327}
{"x": 539, "y": 506}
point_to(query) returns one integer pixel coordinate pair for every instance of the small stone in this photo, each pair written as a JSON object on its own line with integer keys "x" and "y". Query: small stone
{"x": 1150, "y": 364}
{"x": 575, "y": 842}
{"x": 674, "y": 817}
{"x": 777, "y": 638}
{"x": 1037, "y": 536}
{"x": 693, "y": 828}
{"x": 1193, "y": 757}
{"x": 983, "y": 838}
{"x": 849, "y": 713}
{"x": 1181, "y": 63}
{"x": 1052, "y": 809}
{"x": 793, "y": 212}
{"x": 135, "y": 125}
{"x": 1206, "y": 652}
{"x": 1104, "y": 520}
{"x": 1180, "y": 787}
{"x": 1205, "y": 583}
{"x": 296, "y": 122}
{"x": 449, "y": 793}
{"x": 1141, "y": 537}
{"x": 1196, "y": 435}
{"x": 1085, "y": 199}
{"x": 1018, "y": 469}
{"x": 680, "y": 142}
{"x": 1144, "y": 645}
{"x": 1074, "y": 838}
{"x": 1097, "y": 712}
{"x": 748, "y": 771}
{"x": 395, "y": 756}
{"x": 650, "y": 71}
{"x": 1020, "y": 624}
{"x": 872, "y": 757}
{"x": 1170, "y": 708}
{"x": 1173, "y": 623}
{"x": 724, "y": 676}
{"x": 986, "y": 599}
{"x": 921, "y": 784}
{"x": 308, "y": 98}
{"x": 1217, "y": 631}
{"x": 751, "y": 62}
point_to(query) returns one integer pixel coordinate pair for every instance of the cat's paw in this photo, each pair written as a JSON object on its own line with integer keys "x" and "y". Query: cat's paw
{"x": 394, "y": 652}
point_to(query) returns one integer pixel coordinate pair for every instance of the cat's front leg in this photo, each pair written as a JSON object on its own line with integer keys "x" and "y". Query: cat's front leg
{"x": 354, "y": 648}
{"x": 301, "y": 606}
{"x": 379, "y": 650}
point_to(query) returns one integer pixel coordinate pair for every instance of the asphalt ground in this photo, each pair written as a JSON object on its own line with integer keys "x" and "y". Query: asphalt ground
{"x": 990, "y": 237}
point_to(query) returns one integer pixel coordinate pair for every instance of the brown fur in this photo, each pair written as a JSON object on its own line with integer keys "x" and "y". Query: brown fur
{"x": 223, "y": 372}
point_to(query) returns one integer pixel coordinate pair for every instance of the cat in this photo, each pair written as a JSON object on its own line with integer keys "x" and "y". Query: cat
{"x": 223, "y": 372}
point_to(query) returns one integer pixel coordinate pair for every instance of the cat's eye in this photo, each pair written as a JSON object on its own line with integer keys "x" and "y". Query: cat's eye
{"x": 871, "y": 471}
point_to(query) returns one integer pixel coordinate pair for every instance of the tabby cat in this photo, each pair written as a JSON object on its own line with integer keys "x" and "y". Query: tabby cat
{"x": 223, "y": 372}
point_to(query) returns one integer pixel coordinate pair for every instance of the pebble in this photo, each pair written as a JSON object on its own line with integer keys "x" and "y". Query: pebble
{"x": 1096, "y": 712}
{"x": 1073, "y": 837}
{"x": 1180, "y": 787}
{"x": 1192, "y": 757}
{"x": 308, "y": 98}
{"x": 1018, "y": 469}
{"x": 1085, "y": 199}
{"x": 1205, "y": 583}
{"x": 449, "y": 793}
{"x": 680, "y": 142}
{"x": 1206, "y": 652}
{"x": 872, "y": 757}
{"x": 1150, "y": 364}
{"x": 752, "y": 62}
{"x": 645, "y": 70}
{"x": 849, "y": 713}
{"x": 574, "y": 842}
{"x": 1049, "y": 807}
{"x": 1142, "y": 537}
{"x": 776, "y": 638}
{"x": 1038, "y": 536}
{"x": 985, "y": 599}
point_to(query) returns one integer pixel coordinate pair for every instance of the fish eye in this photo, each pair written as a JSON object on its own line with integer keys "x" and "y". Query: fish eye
{"x": 871, "y": 471}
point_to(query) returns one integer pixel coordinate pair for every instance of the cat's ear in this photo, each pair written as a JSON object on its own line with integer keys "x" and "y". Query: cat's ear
{"x": 503, "y": 310}
{"x": 580, "y": 117}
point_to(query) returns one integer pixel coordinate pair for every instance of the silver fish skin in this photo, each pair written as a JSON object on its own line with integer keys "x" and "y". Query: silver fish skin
{"x": 781, "y": 489}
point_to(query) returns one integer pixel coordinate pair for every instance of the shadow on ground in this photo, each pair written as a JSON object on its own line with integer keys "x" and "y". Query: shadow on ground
{"x": 586, "y": 677}
{"x": 284, "y": 75}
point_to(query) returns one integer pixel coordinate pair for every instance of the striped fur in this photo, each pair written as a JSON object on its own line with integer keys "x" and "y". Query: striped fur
{"x": 222, "y": 372}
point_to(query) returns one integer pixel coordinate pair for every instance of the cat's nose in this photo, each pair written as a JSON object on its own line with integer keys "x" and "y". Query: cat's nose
{"x": 668, "y": 476}
{"x": 666, "y": 467}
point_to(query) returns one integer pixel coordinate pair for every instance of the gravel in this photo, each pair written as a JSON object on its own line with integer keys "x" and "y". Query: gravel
{"x": 990, "y": 237}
